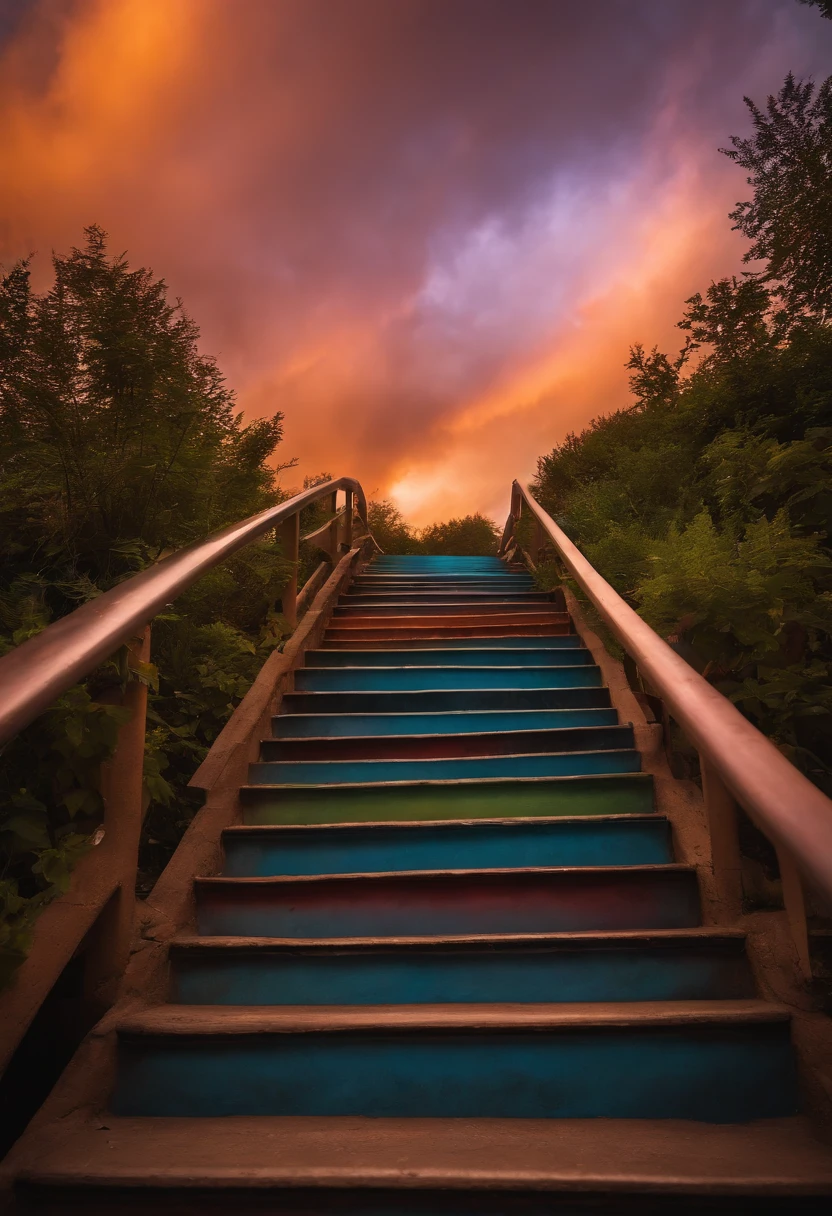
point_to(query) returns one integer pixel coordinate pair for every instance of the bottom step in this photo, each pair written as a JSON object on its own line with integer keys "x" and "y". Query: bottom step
{"x": 720, "y": 1061}
{"x": 416, "y": 1167}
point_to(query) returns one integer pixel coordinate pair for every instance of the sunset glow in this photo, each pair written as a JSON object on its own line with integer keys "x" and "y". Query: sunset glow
{"x": 427, "y": 230}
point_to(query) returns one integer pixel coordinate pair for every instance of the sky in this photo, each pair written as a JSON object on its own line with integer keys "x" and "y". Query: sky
{"x": 428, "y": 231}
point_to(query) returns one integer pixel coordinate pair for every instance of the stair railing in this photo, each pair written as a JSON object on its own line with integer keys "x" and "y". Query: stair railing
{"x": 36, "y": 673}
{"x": 738, "y": 763}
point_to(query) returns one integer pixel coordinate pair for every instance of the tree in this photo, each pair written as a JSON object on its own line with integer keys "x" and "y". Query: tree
{"x": 119, "y": 441}
{"x": 708, "y": 503}
{"x": 789, "y": 219}
{"x": 390, "y": 529}
{"x": 825, "y": 6}
{"x": 732, "y": 319}
{"x": 470, "y": 536}
{"x": 655, "y": 378}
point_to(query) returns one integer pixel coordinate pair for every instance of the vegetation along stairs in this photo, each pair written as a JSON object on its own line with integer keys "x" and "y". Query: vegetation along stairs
{"x": 451, "y": 964}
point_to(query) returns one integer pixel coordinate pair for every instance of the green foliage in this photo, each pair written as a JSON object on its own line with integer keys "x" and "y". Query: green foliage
{"x": 119, "y": 442}
{"x": 825, "y": 6}
{"x": 470, "y": 536}
{"x": 789, "y": 219}
{"x": 707, "y": 503}
{"x": 390, "y": 529}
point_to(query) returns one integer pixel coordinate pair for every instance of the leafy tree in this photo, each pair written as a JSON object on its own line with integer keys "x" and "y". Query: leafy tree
{"x": 825, "y": 6}
{"x": 119, "y": 441}
{"x": 470, "y": 536}
{"x": 789, "y": 219}
{"x": 391, "y": 530}
{"x": 708, "y": 502}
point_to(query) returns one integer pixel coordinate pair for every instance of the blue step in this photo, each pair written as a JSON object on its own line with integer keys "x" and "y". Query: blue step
{"x": 568, "y": 739}
{"x": 295, "y": 726}
{"x": 716, "y": 1070}
{"x": 423, "y": 605}
{"x": 543, "y": 642}
{"x": 455, "y": 902}
{"x": 259, "y": 852}
{"x": 628, "y": 967}
{"x": 446, "y": 700}
{"x": 475, "y": 596}
{"x": 460, "y": 588}
{"x": 337, "y": 772}
{"x": 573, "y": 656}
{"x": 406, "y": 679}
{"x": 441, "y": 562}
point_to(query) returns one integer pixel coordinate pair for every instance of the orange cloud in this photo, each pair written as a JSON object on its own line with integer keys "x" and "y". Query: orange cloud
{"x": 427, "y": 231}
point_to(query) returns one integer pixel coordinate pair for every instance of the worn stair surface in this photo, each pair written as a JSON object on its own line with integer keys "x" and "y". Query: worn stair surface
{"x": 452, "y": 964}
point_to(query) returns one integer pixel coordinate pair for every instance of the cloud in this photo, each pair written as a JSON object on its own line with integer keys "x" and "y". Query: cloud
{"x": 428, "y": 230}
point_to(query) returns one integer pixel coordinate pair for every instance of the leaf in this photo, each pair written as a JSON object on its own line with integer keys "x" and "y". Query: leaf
{"x": 33, "y": 831}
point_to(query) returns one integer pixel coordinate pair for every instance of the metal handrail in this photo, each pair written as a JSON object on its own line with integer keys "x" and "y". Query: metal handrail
{"x": 784, "y": 802}
{"x": 35, "y": 673}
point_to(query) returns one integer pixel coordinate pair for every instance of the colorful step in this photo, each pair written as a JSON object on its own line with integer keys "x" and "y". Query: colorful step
{"x": 299, "y": 726}
{"x": 450, "y": 902}
{"x": 723, "y": 1062}
{"x": 340, "y": 772}
{"x": 420, "y": 747}
{"x": 547, "y": 656}
{"x": 558, "y": 642}
{"x": 428, "y": 679}
{"x": 447, "y": 700}
{"x": 648, "y": 966}
{"x": 427, "y": 629}
{"x": 259, "y": 852}
{"x": 616, "y": 793}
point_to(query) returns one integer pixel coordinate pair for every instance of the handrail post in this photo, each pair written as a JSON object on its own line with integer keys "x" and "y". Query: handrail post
{"x": 290, "y": 542}
{"x": 794, "y": 903}
{"x": 122, "y": 789}
{"x": 721, "y": 814}
{"x": 334, "y": 528}
{"x": 348, "y": 513}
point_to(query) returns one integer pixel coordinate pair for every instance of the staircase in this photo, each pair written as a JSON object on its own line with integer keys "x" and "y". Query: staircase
{"x": 451, "y": 964}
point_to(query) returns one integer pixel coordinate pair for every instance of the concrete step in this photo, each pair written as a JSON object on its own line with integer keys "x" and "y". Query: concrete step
{"x": 260, "y": 851}
{"x": 464, "y": 656}
{"x": 446, "y": 700}
{"x": 522, "y": 642}
{"x": 430, "y": 595}
{"x": 605, "y": 794}
{"x": 441, "y": 746}
{"x": 444, "y": 564}
{"x": 721, "y": 1061}
{"x": 426, "y": 607}
{"x": 426, "y": 1167}
{"x": 425, "y": 679}
{"x": 536, "y": 764}
{"x": 300, "y": 726}
{"x": 694, "y": 964}
{"x": 450, "y": 902}
{"x": 422, "y": 629}
{"x": 445, "y": 585}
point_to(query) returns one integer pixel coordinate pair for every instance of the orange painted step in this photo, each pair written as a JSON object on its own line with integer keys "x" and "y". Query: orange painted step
{"x": 478, "y": 620}
{"x": 352, "y": 634}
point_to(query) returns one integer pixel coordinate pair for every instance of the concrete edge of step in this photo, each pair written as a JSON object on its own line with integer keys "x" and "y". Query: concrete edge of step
{"x": 251, "y": 788}
{"x": 450, "y": 825}
{"x": 632, "y": 873}
{"x": 592, "y": 938}
{"x": 212, "y": 1021}
{"x": 774, "y": 1157}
